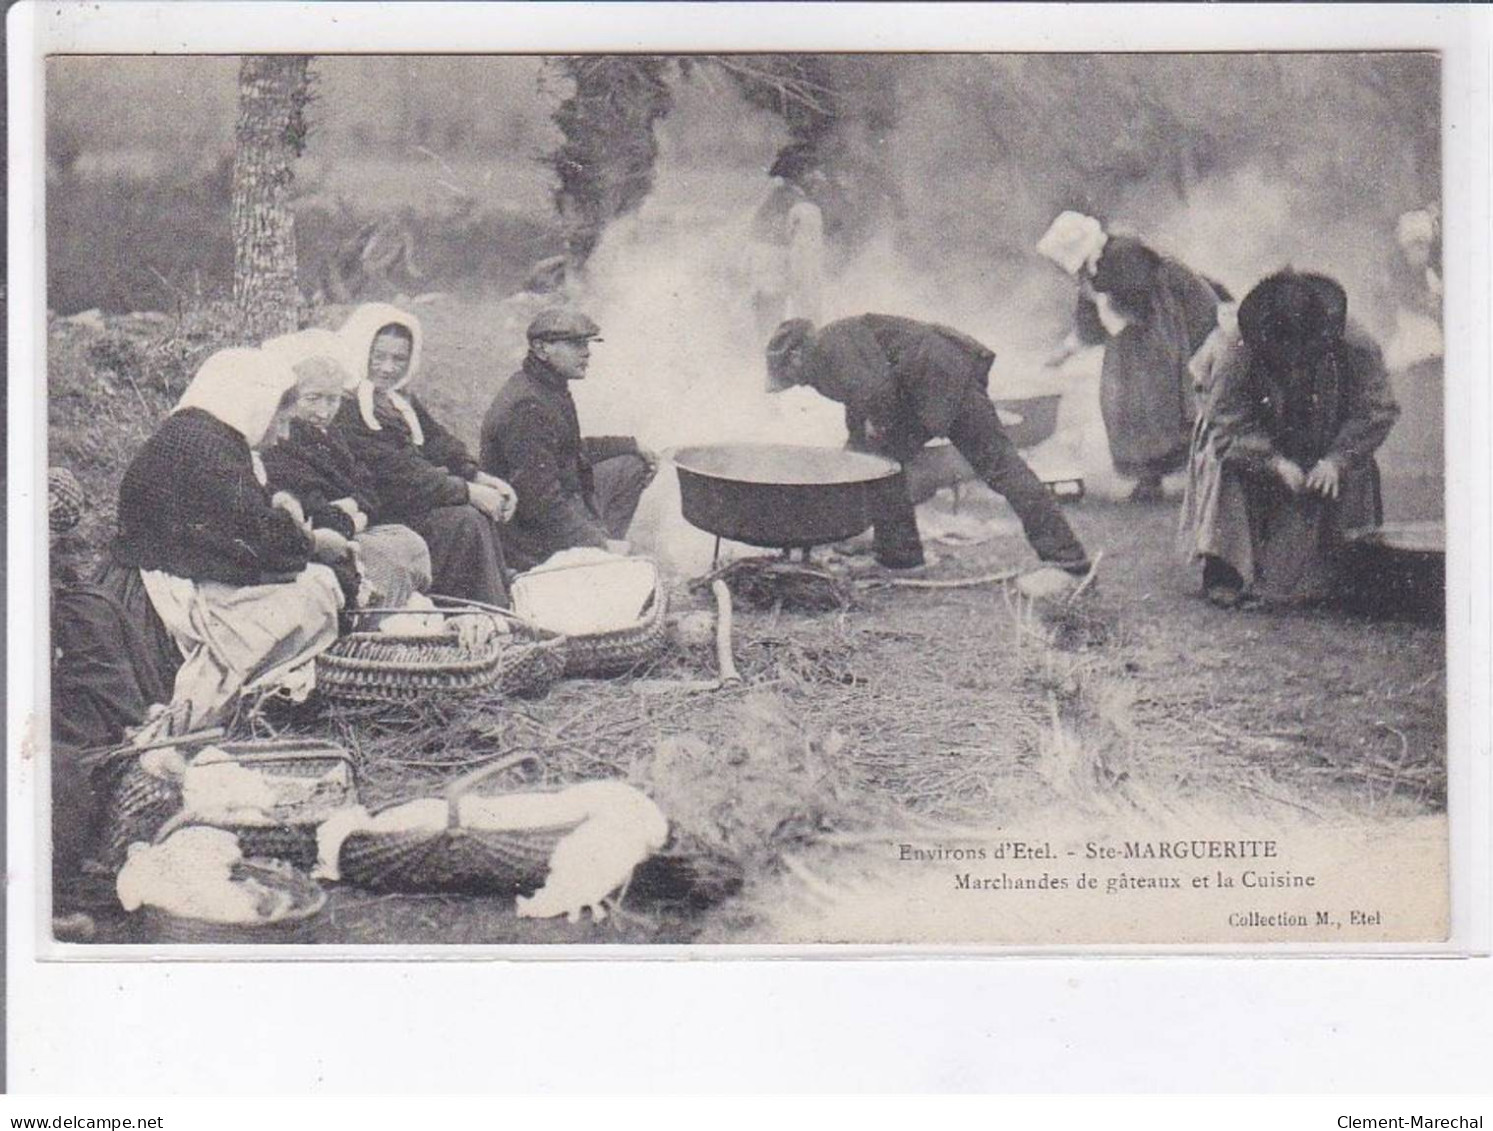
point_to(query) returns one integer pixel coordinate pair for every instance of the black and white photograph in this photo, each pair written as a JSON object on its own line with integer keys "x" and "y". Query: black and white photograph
{"x": 980, "y": 500}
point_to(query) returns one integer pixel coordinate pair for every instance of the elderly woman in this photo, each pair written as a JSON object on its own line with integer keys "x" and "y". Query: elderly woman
{"x": 229, "y": 572}
{"x": 1151, "y": 314}
{"x": 424, "y": 476}
{"x": 314, "y": 464}
{"x": 1300, "y": 401}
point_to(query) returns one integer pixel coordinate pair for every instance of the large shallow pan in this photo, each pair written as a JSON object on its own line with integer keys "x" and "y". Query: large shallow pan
{"x": 782, "y": 495}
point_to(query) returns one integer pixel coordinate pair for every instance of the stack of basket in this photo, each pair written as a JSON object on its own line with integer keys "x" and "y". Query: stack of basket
{"x": 368, "y": 665}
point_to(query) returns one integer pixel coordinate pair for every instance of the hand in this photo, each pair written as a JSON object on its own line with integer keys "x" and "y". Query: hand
{"x": 350, "y": 508}
{"x": 330, "y": 546}
{"x": 1291, "y": 475}
{"x": 283, "y": 500}
{"x": 487, "y": 480}
{"x": 649, "y": 457}
{"x": 488, "y": 500}
{"x": 619, "y": 546}
{"x": 509, "y": 497}
{"x": 1324, "y": 478}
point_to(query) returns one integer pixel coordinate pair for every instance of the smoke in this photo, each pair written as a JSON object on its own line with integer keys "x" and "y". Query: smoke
{"x": 1210, "y": 159}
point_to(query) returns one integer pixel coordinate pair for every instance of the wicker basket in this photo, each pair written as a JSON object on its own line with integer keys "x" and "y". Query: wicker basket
{"x": 616, "y": 651}
{"x": 622, "y": 650}
{"x": 141, "y": 806}
{"x": 151, "y": 924}
{"x": 292, "y": 837}
{"x": 369, "y": 666}
{"x": 457, "y": 857}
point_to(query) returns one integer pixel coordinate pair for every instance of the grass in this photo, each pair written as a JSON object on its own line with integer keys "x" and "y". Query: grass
{"x": 912, "y": 710}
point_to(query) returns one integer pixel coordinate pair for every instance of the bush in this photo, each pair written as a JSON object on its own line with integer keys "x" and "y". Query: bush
{"x": 109, "y": 387}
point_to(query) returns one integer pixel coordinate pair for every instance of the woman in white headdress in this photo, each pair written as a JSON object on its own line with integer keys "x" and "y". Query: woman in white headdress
{"x": 232, "y": 573}
{"x": 314, "y": 464}
{"x": 1151, "y": 314}
{"x": 425, "y": 477}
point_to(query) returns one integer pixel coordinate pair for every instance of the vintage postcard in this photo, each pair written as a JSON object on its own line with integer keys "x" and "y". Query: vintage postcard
{"x": 963, "y": 499}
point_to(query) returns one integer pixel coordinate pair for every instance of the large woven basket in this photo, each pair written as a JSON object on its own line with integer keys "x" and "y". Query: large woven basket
{"x": 457, "y": 857}
{"x": 291, "y": 836}
{"x": 143, "y": 806}
{"x": 622, "y": 650}
{"x": 151, "y": 924}
{"x": 136, "y": 802}
{"x": 369, "y": 666}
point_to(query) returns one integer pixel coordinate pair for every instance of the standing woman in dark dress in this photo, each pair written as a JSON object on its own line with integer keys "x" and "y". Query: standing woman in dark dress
{"x": 1151, "y": 314}
{"x": 425, "y": 477}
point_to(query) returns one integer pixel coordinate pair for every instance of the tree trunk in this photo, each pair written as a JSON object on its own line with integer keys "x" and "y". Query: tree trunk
{"x": 273, "y": 91}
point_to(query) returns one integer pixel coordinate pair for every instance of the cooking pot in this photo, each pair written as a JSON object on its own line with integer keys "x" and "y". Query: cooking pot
{"x": 783, "y": 496}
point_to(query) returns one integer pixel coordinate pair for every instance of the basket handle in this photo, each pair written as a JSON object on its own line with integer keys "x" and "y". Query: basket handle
{"x": 92, "y": 757}
{"x": 464, "y": 784}
{"x": 456, "y": 605}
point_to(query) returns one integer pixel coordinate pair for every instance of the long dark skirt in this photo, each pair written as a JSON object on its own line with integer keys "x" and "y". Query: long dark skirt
{"x": 466, "y": 558}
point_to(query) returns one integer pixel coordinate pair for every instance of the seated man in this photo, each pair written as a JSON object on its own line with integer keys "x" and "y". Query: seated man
{"x": 904, "y": 383}
{"x": 571, "y": 491}
{"x": 1300, "y": 401}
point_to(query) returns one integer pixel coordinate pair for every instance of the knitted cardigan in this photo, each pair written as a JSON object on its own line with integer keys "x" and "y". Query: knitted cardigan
{"x": 191, "y": 505}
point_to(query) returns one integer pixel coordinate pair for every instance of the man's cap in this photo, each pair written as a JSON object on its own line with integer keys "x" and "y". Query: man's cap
{"x": 563, "y": 325}
{"x": 789, "y": 337}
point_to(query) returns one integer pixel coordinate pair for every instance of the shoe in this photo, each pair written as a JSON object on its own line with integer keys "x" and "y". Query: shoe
{"x": 1225, "y": 596}
{"x": 901, "y": 561}
{"x": 1077, "y": 569}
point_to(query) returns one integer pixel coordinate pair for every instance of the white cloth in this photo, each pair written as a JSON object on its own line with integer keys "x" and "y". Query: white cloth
{"x": 238, "y": 638}
{"x": 1072, "y": 241}
{"x": 583, "y": 591}
{"x": 356, "y": 342}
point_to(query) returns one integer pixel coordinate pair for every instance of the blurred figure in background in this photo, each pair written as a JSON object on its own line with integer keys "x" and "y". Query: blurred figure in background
{"x": 1151, "y": 314}
{"x": 786, "y": 252}
{"x": 1300, "y": 401}
{"x": 1418, "y": 292}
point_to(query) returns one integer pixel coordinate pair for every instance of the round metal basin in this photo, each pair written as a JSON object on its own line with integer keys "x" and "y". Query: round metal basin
{"x": 782, "y": 495}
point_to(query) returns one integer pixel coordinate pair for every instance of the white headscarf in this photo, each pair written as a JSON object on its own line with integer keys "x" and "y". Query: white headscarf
{"x": 303, "y": 345}
{"x": 1073, "y": 241}
{"x": 356, "y": 340}
{"x": 241, "y": 387}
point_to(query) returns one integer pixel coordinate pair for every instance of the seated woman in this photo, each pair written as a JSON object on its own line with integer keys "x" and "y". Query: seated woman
{"x": 314, "y": 464}
{"x": 228, "y": 571}
{"x": 1299, "y": 403}
{"x": 424, "y": 476}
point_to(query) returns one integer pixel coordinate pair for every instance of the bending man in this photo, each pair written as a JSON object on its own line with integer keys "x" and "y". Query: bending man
{"x": 904, "y": 383}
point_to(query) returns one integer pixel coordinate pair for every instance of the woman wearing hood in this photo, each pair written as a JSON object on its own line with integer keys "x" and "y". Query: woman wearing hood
{"x": 1300, "y": 401}
{"x": 226, "y": 571}
{"x": 1151, "y": 314}
{"x": 314, "y": 464}
{"x": 424, "y": 476}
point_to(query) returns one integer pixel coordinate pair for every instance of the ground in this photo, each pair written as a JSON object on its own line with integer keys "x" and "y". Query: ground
{"x": 936, "y": 710}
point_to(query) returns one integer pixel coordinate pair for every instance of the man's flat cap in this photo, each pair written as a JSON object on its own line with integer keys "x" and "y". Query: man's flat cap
{"x": 563, "y": 325}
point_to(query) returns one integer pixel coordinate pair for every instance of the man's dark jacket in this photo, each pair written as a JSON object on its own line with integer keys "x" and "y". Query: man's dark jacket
{"x": 531, "y": 437}
{"x": 908, "y": 379}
